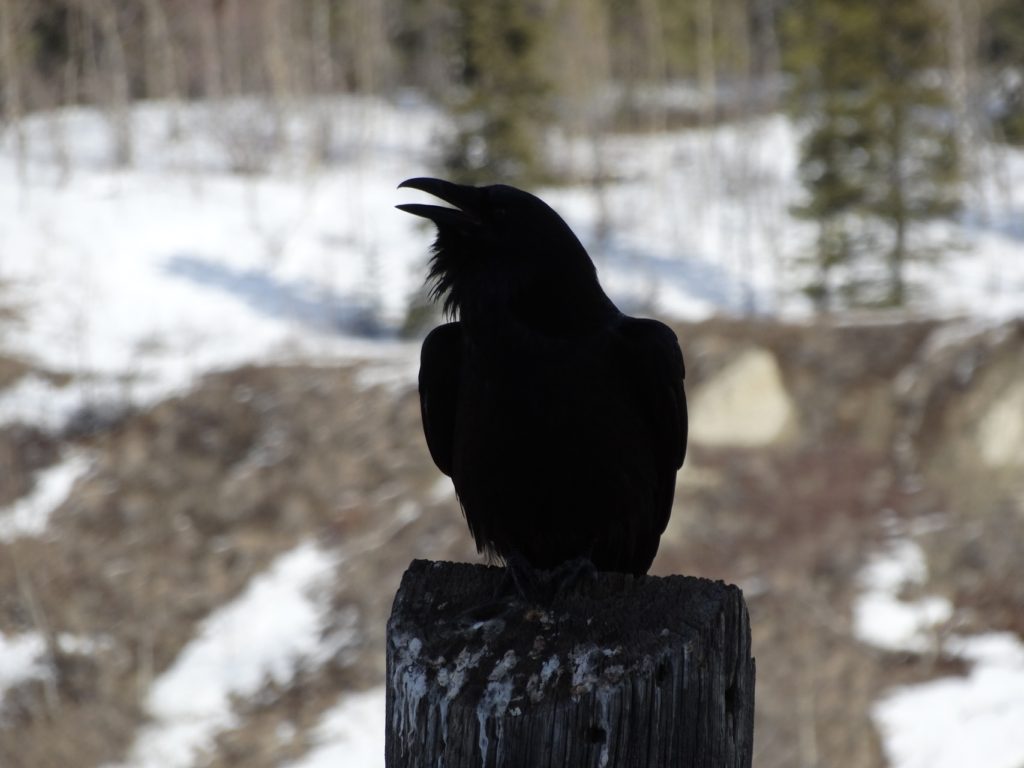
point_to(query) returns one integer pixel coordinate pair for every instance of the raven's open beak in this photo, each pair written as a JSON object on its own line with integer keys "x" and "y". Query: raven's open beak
{"x": 466, "y": 200}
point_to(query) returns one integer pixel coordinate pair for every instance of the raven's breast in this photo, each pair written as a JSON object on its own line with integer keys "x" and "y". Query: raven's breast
{"x": 553, "y": 458}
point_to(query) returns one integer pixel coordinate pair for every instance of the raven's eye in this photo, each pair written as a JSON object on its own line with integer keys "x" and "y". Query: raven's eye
{"x": 499, "y": 212}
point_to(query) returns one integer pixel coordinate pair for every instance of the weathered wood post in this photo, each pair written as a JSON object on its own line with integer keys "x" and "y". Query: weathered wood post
{"x": 625, "y": 672}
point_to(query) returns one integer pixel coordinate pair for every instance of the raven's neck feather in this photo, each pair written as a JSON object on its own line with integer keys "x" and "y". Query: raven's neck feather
{"x": 566, "y": 295}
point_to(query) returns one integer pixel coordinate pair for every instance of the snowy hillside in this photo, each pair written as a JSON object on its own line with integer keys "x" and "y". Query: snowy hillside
{"x": 142, "y": 278}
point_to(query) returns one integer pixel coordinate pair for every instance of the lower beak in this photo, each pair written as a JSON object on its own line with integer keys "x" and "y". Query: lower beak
{"x": 466, "y": 200}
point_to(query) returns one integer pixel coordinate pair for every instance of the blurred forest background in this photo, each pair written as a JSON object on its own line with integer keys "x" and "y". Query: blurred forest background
{"x": 211, "y": 469}
{"x": 899, "y": 102}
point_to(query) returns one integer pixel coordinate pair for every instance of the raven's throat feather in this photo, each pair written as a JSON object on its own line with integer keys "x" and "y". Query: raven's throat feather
{"x": 447, "y": 261}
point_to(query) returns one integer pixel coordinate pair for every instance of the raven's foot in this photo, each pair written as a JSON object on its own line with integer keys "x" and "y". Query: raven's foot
{"x": 572, "y": 574}
{"x": 519, "y": 586}
{"x": 521, "y": 579}
{"x": 539, "y": 587}
{"x": 522, "y": 586}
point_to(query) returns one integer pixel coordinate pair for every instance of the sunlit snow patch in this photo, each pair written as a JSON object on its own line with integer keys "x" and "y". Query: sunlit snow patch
{"x": 350, "y": 733}
{"x": 958, "y": 721}
{"x": 883, "y": 620}
{"x": 29, "y": 515}
{"x": 24, "y": 657}
{"x": 260, "y": 635}
{"x": 951, "y": 722}
{"x": 20, "y": 659}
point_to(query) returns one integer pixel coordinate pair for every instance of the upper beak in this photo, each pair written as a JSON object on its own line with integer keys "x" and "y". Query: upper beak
{"x": 466, "y": 200}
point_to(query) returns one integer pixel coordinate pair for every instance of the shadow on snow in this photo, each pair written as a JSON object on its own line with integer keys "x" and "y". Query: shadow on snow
{"x": 707, "y": 283}
{"x": 317, "y": 307}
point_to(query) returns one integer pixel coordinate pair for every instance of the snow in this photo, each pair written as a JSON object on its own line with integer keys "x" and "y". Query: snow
{"x": 29, "y": 515}
{"x": 138, "y": 280}
{"x": 887, "y": 622}
{"x": 259, "y": 636}
{"x": 442, "y": 490}
{"x": 20, "y": 659}
{"x": 350, "y": 734}
{"x": 881, "y": 618}
{"x": 33, "y": 399}
{"x": 23, "y": 656}
{"x": 950, "y": 722}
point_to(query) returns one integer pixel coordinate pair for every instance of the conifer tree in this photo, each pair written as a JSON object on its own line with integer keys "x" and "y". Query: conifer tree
{"x": 879, "y": 158}
{"x": 914, "y": 162}
{"x": 504, "y": 105}
{"x": 1004, "y": 28}
{"x": 824, "y": 53}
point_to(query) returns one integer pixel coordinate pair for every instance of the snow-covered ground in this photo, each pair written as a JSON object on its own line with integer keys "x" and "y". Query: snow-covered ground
{"x": 29, "y": 515}
{"x": 881, "y": 618}
{"x": 136, "y": 281}
{"x": 952, "y": 722}
{"x": 276, "y": 623}
{"x": 350, "y": 733}
{"x": 21, "y": 656}
{"x": 21, "y": 659}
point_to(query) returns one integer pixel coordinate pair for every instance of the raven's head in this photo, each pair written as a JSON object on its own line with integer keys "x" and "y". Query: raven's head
{"x": 502, "y": 249}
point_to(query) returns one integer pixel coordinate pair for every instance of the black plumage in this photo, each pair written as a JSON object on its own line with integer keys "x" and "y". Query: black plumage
{"x": 560, "y": 420}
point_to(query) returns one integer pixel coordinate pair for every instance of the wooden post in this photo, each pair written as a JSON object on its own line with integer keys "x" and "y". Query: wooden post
{"x": 631, "y": 672}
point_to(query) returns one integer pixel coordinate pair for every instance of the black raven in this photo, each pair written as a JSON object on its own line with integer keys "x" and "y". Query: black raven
{"x": 560, "y": 420}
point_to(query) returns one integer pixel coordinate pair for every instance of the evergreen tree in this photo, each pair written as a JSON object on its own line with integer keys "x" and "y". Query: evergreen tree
{"x": 504, "y": 105}
{"x": 1004, "y": 51}
{"x": 913, "y": 161}
{"x": 825, "y": 52}
{"x": 880, "y": 155}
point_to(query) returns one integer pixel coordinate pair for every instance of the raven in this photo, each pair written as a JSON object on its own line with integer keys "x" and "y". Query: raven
{"x": 561, "y": 421}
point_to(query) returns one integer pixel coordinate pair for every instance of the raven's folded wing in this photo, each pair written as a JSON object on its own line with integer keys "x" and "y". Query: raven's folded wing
{"x": 654, "y": 369}
{"x": 440, "y": 360}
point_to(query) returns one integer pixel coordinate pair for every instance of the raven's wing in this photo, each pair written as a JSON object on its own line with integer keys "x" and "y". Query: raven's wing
{"x": 440, "y": 361}
{"x": 655, "y": 371}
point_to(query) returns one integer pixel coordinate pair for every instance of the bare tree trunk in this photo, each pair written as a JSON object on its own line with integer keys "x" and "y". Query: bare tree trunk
{"x": 161, "y": 69}
{"x": 656, "y": 60}
{"x": 73, "y": 31}
{"x": 963, "y": 29}
{"x": 367, "y": 38}
{"x": 736, "y": 29}
{"x": 768, "y": 57}
{"x": 434, "y": 64}
{"x": 657, "y": 120}
{"x": 598, "y": 71}
{"x": 277, "y": 49}
{"x": 706, "y": 74}
{"x": 580, "y": 63}
{"x": 322, "y": 78}
{"x": 69, "y": 89}
{"x": 117, "y": 96}
{"x": 742, "y": 105}
{"x": 898, "y": 216}
{"x": 213, "y": 63}
{"x": 364, "y": 34}
{"x": 230, "y": 15}
{"x": 10, "y": 62}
